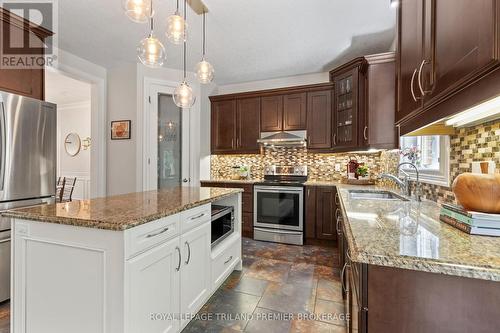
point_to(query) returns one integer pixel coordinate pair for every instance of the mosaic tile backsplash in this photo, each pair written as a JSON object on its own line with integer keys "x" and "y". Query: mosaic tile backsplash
{"x": 320, "y": 166}
{"x": 478, "y": 143}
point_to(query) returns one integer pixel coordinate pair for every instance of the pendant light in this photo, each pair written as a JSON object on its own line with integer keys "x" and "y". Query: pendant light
{"x": 176, "y": 27}
{"x": 151, "y": 51}
{"x": 204, "y": 70}
{"x": 137, "y": 10}
{"x": 183, "y": 94}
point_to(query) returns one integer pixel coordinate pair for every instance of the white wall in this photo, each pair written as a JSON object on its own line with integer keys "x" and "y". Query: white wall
{"x": 282, "y": 82}
{"x": 74, "y": 118}
{"x": 122, "y": 105}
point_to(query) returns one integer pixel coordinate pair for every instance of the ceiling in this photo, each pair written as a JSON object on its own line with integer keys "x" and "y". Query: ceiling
{"x": 246, "y": 40}
{"x": 63, "y": 90}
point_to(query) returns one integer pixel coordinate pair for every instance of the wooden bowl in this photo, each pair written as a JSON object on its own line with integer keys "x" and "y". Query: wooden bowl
{"x": 478, "y": 192}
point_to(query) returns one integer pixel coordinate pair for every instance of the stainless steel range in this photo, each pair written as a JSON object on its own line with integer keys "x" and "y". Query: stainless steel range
{"x": 279, "y": 205}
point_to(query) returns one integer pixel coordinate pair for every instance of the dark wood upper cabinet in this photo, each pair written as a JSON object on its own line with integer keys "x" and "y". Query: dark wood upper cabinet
{"x": 26, "y": 82}
{"x": 223, "y": 126}
{"x": 410, "y": 55}
{"x": 295, "y": 112}
{"x": 271, "y": 114}
{"x": 319, "y": 119}
{"x": 448, "y": 58}
{"x": 365, "y": 103}
{"x": 451, "y": 62}
{"x": 248, "y": 124}
{"x": 326, "y": 222}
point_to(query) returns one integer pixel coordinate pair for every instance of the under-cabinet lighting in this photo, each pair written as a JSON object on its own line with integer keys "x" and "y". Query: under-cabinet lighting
{"x": 488, "y": 110}
{"x": 394, "y": 3}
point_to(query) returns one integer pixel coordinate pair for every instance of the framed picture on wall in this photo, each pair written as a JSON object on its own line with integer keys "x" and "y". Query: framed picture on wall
{"x": 120, "y": 129}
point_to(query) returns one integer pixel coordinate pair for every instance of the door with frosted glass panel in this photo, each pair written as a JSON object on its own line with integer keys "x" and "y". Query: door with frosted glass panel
{"x": 168, "y": 146}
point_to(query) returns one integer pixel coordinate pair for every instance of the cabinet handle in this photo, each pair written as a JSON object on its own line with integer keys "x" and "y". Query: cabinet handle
{"x": 334, "y": 139}
{"x": 344, "y": 287}
{"x": 308, "y": 192}
{"x": 339, "y": 231}
{"x": 337, "y": 199}
{"x": 189, "y": 253}
{"x": 411, "y": 85}
{"x": 424, "y": 62}
{"x": 232, "y": 143}
{"x": 237, "y": 142}
{"x": 197, "y": 217}
{"x": 180, "y": 259}
{"x": 228, "y": 260}
{"x": 157, "y": 233}
{"x": 365, "y": 134}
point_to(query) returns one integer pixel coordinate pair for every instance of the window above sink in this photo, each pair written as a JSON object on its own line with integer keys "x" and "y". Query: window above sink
{"x": 433, "y": 158}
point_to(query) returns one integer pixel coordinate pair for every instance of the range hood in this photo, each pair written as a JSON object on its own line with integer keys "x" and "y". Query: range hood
{"x": 283, "y": 138}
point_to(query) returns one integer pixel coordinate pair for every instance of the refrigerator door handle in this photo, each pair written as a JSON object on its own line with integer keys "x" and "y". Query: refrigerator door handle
{"x": 3, "y": 147}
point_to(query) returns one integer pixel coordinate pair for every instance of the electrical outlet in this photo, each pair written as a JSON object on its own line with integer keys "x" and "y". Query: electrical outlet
{"x": 337, "y": 167}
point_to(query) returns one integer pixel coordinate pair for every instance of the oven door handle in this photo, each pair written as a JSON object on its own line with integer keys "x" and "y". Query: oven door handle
{"x": 279, "y": 231}
{"x": 279, "y": 190}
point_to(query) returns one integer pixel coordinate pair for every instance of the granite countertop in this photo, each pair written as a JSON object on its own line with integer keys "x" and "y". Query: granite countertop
{"x": 234, "y": 181}
{"x": 125, "y": 211}
{"x": 383, "y": 233}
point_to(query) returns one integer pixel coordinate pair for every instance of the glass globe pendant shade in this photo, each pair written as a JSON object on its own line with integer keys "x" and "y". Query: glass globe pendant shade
{"x": 183, "y": 96}
{"x": 138, "y": 11}
{"x": 176, "y": 29}
{"x": 151, "y": 52}
{"x": 204, "y": 71}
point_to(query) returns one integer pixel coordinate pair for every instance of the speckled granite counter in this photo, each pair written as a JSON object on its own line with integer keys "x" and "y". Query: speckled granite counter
{"x": 122, "y": 212}
{"x": 409, "y": 235}
{"x": 232, "y": 181}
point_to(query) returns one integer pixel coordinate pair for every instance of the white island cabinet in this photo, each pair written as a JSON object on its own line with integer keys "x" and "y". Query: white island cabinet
{"x": 149, "y": 278}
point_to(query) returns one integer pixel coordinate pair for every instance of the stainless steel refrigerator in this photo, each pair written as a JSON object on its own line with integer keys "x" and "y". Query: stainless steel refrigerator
{"x": 27, "y": 164}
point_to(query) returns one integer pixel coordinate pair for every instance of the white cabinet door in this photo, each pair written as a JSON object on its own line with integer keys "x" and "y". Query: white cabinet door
{"x": 195, "y": 271}
{"x": 153, "y": 290}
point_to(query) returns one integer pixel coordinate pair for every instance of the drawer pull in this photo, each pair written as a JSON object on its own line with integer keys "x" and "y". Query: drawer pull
{"x": 342, "y": 281}
{"x": 197, "y": 217}
{"x": 157, "y": 233}
{"x": 189, "y": 253}
{"x": 180, "y": 259}
{"x": 228, "y": 260}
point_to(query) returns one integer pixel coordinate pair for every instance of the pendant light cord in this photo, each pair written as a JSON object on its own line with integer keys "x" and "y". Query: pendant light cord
{"x": 151, "y": 16}
{"x": 204, "y": 33}
{"x": 185, "y": 18}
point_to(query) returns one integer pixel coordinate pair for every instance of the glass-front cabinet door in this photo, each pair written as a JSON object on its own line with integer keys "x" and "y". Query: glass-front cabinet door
{"x": 346, "y": 110}
{"x": 169, "y": 142}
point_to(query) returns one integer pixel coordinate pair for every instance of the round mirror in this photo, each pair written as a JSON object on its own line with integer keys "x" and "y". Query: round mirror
{"x": 72, "y": 144}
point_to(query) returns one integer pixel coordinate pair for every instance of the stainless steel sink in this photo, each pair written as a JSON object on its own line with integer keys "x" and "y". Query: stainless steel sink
{"x": 375, "y": 195}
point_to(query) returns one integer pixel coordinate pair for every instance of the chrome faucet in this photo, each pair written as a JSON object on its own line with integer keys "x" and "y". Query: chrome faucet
{"x": 405, "y": 184}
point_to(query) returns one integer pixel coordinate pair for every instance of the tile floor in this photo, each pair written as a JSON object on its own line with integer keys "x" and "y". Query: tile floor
{"x": 277, "y": 281}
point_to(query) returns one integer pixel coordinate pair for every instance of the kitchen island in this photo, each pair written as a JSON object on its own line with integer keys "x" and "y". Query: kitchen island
{"x": 405, "y": 271}
{"x": 139, "y": 262}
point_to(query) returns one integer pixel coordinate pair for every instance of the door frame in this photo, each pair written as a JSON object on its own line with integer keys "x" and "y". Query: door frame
{"x": 98, "y": 123}
{"x": 167, "y": 87}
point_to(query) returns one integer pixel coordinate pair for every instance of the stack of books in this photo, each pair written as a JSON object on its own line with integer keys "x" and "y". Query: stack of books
{"x": 473, "y": 223}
